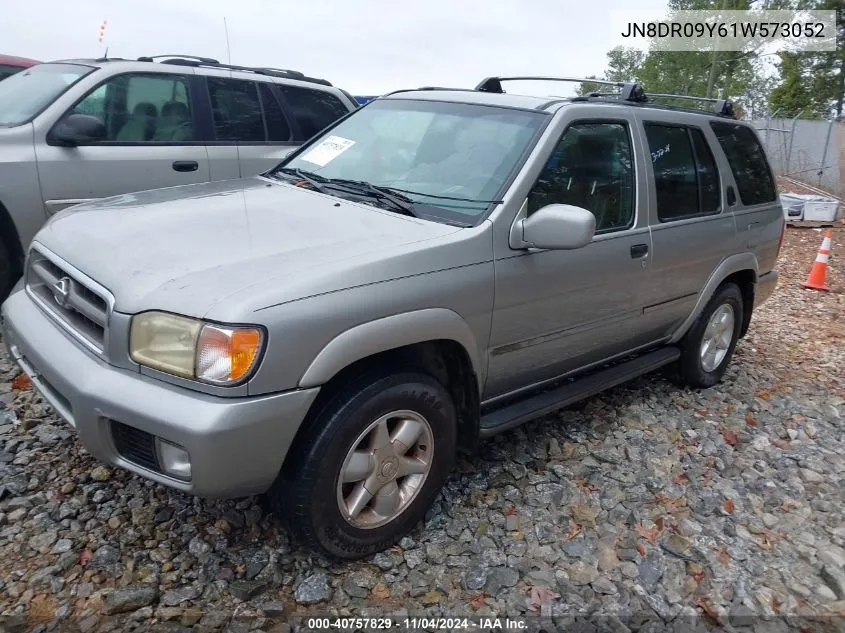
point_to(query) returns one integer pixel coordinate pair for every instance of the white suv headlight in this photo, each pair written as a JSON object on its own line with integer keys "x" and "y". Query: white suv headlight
{"x": 190, "y": 348}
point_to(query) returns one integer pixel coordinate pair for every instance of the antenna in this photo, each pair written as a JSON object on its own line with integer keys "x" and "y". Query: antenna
{"x": 101, "y": 36}
{"x": 228, "y": 50}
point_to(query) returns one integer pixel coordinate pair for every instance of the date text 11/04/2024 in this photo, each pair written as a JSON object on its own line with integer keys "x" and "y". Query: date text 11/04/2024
{"x": 484, "y": 623}
{"x": 732, "y": 29}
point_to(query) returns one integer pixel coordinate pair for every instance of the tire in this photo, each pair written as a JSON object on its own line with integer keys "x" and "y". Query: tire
{"x": 307, "y": 494}
{"x": 705, "y": 370}
{"x": 7, "y": 272}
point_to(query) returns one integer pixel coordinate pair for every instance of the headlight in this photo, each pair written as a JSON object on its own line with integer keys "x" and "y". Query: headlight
{"x": 190, "y": 348}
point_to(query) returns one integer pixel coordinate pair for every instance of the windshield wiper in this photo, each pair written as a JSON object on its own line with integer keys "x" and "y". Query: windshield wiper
{"x": 399, "y": 201}
{"x": 437, "y": 197}
{"x": 312, "y": 179}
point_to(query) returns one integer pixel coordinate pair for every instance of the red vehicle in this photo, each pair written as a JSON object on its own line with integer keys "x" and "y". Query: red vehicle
{"x": 9, "y": 65}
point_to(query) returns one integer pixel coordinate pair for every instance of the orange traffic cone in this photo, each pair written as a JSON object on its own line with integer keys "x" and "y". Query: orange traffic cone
{"x": 818, "y": 274}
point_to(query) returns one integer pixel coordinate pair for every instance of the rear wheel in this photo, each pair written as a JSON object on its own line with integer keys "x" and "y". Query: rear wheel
{"x": 369, "y": 466}
{"x": 707, "y": 349}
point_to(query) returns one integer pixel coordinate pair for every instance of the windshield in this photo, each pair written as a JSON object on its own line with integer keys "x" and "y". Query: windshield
{"x": 25, "y": 94}
{"x": 453, "y": 158}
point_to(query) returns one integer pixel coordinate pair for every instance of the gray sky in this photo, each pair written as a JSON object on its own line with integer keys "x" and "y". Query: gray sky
{"x": 364, "y": 46}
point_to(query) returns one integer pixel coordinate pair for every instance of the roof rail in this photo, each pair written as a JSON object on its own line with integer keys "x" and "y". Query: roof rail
{"x": 722, "y": 107}
{"x": 631, "y": 92}
{"x": 204, "y": 60}
{"x": 208, "y": 62}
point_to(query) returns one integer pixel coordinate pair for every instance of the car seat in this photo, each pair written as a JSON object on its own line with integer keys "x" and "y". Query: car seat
{"x": 174, "y": 123}
{"x": 141, "y": 124}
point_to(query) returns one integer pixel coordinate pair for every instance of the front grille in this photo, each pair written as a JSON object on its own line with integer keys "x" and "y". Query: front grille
{"x": 135, "y": 445}
{"x": 79, "y": 304}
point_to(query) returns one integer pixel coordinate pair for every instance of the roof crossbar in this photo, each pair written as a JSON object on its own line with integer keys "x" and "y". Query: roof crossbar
{"x": 629, "y": 91}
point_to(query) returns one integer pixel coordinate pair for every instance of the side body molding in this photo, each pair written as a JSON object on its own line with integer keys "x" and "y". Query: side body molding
{"x": 389, "y": 333}
{"x": 729, "y": 266}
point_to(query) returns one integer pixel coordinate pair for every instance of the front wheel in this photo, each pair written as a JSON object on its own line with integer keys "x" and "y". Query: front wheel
{"x": 369, "y": 466}
{"x": 707, "y": 349}
{"x": 7, "y": 272}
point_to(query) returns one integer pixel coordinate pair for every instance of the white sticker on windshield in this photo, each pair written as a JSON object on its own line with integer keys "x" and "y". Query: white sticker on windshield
{"x": 329, "y": 149}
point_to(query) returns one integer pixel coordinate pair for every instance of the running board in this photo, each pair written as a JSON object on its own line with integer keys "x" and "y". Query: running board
{"x": 528, "y": 408}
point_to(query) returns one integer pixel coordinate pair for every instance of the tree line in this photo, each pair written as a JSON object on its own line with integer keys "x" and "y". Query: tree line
{"x": 807, "y": 84}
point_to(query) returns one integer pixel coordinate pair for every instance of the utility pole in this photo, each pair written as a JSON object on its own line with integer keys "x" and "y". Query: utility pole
{"x": 713, "y": 59}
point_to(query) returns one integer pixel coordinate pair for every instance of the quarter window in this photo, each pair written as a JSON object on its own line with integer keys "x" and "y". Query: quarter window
{"x": 748, "y": 163}
{"x": 592, "y": 168}
{"x": 314, "y": 110}
{"x": 142, "y": 108}
{"x": 685, "y": 175}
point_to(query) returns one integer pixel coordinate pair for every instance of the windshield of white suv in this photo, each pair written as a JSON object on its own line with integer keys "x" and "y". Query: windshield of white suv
{"x": 447, "y": 160}
{"x": 25, "y": 94}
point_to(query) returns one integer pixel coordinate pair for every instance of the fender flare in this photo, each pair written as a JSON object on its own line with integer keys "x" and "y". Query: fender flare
{"x": 388, "y": 333}
{"x": 733, "y": 264}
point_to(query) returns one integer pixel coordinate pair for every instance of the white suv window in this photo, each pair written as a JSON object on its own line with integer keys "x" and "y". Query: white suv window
{"x": 142, "y": 108}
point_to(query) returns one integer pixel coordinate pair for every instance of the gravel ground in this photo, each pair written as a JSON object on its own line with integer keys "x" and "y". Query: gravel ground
{"x": 651, "y": 506}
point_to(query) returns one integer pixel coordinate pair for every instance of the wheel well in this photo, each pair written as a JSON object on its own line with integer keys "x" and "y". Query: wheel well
{"x": 445, "y": 360}
{"x": 11, "y": 240}
{"x": 745, "y": 279}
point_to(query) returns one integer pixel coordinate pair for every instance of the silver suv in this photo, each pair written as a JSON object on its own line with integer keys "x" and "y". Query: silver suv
{"x": 437, "y": 267}
{"x": 77, "y": 130}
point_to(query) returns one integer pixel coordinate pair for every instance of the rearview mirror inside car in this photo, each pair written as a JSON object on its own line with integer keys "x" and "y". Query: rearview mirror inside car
{"x": 554, "y": 227}
{"x": 79, "y": 129}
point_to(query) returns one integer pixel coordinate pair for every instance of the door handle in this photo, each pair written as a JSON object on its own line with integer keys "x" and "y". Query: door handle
{"x": 185, "y": 165}
{"x": 639, "y": 250}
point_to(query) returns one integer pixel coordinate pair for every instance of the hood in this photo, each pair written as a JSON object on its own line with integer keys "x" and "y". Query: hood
{"x": 185, "y": 248}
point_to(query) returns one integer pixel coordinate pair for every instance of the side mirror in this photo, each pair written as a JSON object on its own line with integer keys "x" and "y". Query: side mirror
{"x": 554, "y": 227}
{"x": 79, "y": 129}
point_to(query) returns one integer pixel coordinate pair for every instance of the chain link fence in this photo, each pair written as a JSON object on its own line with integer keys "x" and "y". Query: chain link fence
{"x": 812, "y": 152}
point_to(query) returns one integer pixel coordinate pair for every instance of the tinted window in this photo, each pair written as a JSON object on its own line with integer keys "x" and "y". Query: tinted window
{"x": 450, "y": 158}
{"x": 748, "y": 162}
{"x": 685, "y": 175}
{"x": 708, "y": 175}
{"x": 236, "y": 110}
{"x": 142, "y": 108}
{"x": 313, "y": 109}
{"x": 591, "y": 168}
{"x": 25, "y": 94}
{"x": 277, "y": 125}
{"x": 8, "y": 71}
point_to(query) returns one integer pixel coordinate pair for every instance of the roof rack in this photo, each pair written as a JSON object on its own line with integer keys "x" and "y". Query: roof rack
{"x": 204, "y": 60}
{"x": 208, "y": 62}
{"x": 722, "y": 107}
{"x": 630, "y": 92}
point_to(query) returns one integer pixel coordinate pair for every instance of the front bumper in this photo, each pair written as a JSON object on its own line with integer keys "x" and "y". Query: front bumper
{"x": 236, "y": 445}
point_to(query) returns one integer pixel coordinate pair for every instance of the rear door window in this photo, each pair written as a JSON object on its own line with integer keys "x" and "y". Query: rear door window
{"x": 748, "y": 162}
{"x": 685, "y": 176}
{"x": 314, "y": 110}
{"x": 236, "y": 109}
